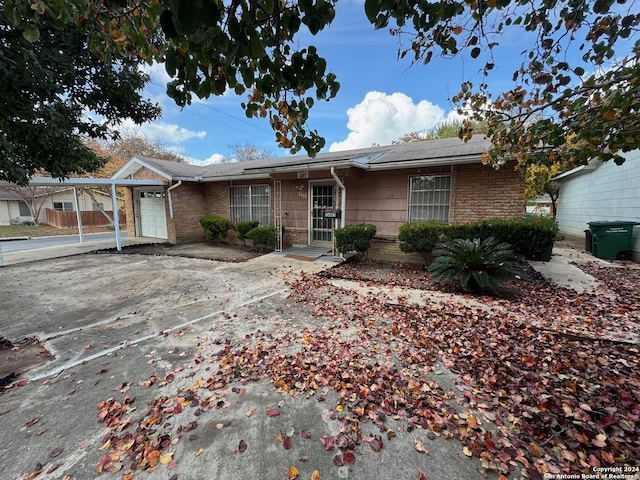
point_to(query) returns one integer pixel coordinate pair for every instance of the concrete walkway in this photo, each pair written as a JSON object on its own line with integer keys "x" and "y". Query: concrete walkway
{"x": 562, "y": 271}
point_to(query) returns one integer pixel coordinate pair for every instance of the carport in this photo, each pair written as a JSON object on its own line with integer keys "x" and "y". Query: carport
{"x": 154, "y": 187}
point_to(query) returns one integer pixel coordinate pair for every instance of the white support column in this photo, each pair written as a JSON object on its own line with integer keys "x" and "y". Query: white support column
{"x": 116, "y": 216}
{"x": 78, "y": 214}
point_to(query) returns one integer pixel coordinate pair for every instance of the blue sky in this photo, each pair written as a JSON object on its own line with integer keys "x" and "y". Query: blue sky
{"x": 380, "y": 98}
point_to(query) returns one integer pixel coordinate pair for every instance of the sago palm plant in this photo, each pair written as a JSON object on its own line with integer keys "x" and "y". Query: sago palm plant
{"x": 474, "y": 264}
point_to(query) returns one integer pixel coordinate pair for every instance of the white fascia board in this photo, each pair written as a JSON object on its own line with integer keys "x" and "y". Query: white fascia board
{"x": 136, "y": 164}
{"x": 309, "y": 167}
{"x": 87, "y": 182}
{"x": 226, "y": 178}
{"x": 575, "y": 171}
{"x": 425, "y": 163}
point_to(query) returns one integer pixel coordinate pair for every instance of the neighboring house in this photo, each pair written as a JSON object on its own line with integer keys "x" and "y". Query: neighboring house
{"x": 385, "y": 186}
{"x": 13, "y": 209}
{"x": 540, "y": 206}
{"x": 600, "y": 191}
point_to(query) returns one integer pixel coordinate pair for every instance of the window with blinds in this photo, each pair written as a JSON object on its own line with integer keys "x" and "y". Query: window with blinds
{"x": 429, "y": 197}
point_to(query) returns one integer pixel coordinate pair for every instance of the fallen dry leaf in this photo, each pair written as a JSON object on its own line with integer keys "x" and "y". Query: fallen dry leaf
{"x": 420, "y": 446}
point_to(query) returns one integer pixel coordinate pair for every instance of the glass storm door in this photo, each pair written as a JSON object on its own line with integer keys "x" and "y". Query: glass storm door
{"x": 321, "y": 228}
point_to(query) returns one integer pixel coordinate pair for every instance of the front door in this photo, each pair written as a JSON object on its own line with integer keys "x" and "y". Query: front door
{"x": 321, "y": 228}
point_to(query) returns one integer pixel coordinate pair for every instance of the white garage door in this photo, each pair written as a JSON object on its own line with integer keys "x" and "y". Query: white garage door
{"x": 153, "y": 218}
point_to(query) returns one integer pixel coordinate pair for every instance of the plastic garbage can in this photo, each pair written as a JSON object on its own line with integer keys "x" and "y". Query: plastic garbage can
{"x": 588, "y": 241}
{"x": 611, "y": 239}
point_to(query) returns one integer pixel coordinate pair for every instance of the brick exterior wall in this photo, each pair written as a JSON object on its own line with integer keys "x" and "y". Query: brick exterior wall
{"x": 479, "y": 191}
{"x": 295, "y": 236}
{"x": 217, "y": 198}
{"x": 388, "y": 249}
{"x": 128, "y": 209}
{"x": 188, "y": 201}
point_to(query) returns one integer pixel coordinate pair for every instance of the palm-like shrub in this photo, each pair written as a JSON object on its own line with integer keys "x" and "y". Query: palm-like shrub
{"x": 474, "y": 264}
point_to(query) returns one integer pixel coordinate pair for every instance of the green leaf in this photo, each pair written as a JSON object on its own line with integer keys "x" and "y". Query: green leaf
{"x": 30, "y": 32}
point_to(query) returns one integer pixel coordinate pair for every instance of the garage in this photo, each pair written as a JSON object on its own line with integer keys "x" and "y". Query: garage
{"x": 151, "y": 214}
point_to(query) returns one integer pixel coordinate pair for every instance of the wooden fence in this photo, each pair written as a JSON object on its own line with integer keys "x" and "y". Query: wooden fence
{"x": 90, "y": 218}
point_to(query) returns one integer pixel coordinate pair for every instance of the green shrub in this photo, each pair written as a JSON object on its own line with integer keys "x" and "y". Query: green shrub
{"x": 215, "y": 227}
{"x": 474, "y": 264}
{"x": 421, "y": 237}
{"x": 242, "y": 228}
{"x": 264, "y": 237}
{"x": 355, "y": 238}
{"x": 527, "y": 236}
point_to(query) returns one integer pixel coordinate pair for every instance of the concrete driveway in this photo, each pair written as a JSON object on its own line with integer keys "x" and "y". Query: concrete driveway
{"x": 156, "y": 365}
{"x": 54, "y": 241}
{"x": 140, "y": 330}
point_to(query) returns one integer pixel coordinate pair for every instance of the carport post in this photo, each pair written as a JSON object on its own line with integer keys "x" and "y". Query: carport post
{"x": 78, "y": 214}
{"x": 116, "y": 216}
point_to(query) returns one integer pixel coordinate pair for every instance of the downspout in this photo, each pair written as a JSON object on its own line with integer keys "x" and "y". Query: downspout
{"x": 169, "y": 197}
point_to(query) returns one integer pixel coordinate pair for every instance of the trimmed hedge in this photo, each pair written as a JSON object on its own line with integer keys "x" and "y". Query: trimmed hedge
{"x": 354, "y": 238}
{"x": 264, "y": 237}
{"x": 215, "y": 227}
{"x": 242, "y": 228}
{"x": 421, "y": 237}
{"x": 528, "y": 236}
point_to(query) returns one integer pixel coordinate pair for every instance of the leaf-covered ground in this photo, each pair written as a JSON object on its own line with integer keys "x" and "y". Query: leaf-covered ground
{"x": 546, "y": 381}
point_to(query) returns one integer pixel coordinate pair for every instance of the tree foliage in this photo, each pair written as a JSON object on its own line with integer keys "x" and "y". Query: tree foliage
{"x": 446, "y": 129}
{"x": 209, "y": 47}
{"x": 129, "y": 145}
{"x": 574, "y": 96}
{"x": 47, "y": 89}
{"x": 244, "y": 152}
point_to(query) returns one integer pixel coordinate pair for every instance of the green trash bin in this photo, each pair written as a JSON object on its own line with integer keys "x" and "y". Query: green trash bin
{"x": 611, "y": 239}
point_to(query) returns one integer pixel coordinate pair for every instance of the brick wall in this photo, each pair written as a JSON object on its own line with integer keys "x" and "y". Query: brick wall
{"x": 388, "y": 249}
{"x": 217, "y": 199}
{"x": 128, "y": 208}
{"x": 479, "y": 191}
{"x": 295, "y": 236}
{"x": 188, "y": 206}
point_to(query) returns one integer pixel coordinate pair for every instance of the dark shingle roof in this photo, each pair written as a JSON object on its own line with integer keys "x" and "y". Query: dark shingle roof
{"x": 389, "y": 156}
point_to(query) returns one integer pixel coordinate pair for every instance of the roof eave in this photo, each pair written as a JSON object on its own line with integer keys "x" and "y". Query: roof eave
{"x": 427, "y": 162}
{"x": 573, "y": 172}
{"x": 225, "y": 178}
{"x": 309, "y": 167}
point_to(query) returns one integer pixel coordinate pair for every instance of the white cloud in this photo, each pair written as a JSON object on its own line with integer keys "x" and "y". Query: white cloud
{"x": 215, "y": 158}
{"x": 382, "y": 118}
{"x": 157, "y": 72}
{"x": 166, "y": 132}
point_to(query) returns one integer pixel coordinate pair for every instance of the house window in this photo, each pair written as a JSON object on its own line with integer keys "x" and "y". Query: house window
{"x": 63, "y": 206}
{"x": 97, "y": 206}
{"x": 429, "y": 197}
{"x": 251, "y": 203}
{"x": 24, "y": 209}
